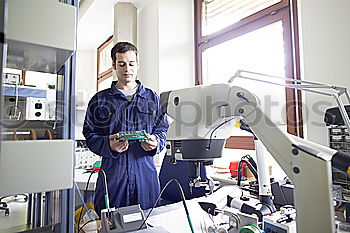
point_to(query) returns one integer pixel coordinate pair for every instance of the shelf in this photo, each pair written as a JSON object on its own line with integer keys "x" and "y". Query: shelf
{"x": 24, "y": 91}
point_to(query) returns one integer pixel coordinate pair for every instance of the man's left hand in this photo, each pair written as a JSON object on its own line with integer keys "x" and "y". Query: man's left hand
{"x": 149, "y": 144}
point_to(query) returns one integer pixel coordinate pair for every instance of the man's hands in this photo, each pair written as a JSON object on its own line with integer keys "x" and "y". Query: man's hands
{"x": 121, "y": 146}
{"x": 149, "y": 144}
{"x": 116, "y": 145}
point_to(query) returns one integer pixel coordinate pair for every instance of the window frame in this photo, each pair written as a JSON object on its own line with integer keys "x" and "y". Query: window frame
{"x": 101, "y": 76}
{"x": 281, "y": 11}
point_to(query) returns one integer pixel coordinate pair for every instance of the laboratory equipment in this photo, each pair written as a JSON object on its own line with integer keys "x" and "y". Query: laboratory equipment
{"x": 27, "y": 108}
{"x": 43, "y": 48}
{"x": 84, "y": 158}
{"x": 280, "y": 222}
{"x": 237, "y": 220}
{"x": 339, "y": 139}
{"x": 126, "y": 219}
{"x": 9, "y": 78}
{"x": 35, "y": 108}
{"x": 38, "y": 38}
{"x": 201, "y": 124}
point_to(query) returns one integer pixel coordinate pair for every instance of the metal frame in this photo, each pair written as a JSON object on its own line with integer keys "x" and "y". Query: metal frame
{"x": 68, "y": 201}
{"x": 3, "y": 49}
{"x": 66, "y": 209}
{"x": 313, "y": 87}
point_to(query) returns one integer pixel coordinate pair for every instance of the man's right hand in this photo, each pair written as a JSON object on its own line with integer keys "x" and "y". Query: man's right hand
{"x": 116, "y": 145}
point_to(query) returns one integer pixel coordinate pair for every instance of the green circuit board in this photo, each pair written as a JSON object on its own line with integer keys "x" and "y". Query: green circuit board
{"x": 133, "y": 135}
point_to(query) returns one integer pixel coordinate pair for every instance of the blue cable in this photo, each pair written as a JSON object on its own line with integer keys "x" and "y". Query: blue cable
{"x": 82, "y": 200}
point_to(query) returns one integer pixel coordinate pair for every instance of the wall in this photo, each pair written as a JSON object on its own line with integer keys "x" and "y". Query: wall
{"x": 125, "y": 23}
{"x": 166, "y": 44}
{"x": 86, "y": 71}
{"x": 148, "y": 44}
{"x": 325, "y": 55}
{"x": 176, "y": 44}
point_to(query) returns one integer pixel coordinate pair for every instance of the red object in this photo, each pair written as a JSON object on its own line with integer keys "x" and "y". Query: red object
{"x": 97, "y": 165}
{"x": 234, "y": 168}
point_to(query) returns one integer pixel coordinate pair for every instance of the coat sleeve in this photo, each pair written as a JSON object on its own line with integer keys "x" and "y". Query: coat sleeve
{"x": 96, "y": 130}
{"x": 160, "y": 128}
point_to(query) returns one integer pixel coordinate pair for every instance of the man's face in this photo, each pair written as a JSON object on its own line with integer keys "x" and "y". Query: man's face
{"x": 126, "y": 66}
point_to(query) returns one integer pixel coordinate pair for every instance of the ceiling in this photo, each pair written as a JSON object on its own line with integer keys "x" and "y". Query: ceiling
{"x": 96, "y": 20}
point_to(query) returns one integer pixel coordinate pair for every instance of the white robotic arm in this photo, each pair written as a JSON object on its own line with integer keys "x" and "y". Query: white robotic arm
{"x": 195, "y": 135}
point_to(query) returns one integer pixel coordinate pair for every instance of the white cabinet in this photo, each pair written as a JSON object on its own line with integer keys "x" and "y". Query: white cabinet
{"x": 40, "y": 34}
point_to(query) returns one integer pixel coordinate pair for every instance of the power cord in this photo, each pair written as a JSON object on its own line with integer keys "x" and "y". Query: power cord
{"x": 250, "y": 166}
{"x": 86, "y": 188}
{"x": 82, "y": 200}
{"x": 251, "y": 160}
{"x": 212, "y": 132}
{"x": 81, "y": 228}
{"x": 183, "y": 202}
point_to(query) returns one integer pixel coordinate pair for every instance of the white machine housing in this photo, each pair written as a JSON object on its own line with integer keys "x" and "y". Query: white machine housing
{"x": 197, "y": 111}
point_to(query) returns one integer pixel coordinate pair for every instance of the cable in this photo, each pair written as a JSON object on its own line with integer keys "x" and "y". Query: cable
{"x": 16, "y": 101}
{"x": 250, "y": 166}
{"x": 251, "y": 160}
{"x": 211, "y": 134}
{"x": 183, "y": 202}
{"x": 81, "y": 228}
{"x": 240, "y": 189}
{"x": 270, "y": 208}
{"x": 250, "y": 228}
{"x": 82, "y": 200}
{"x": 106, "y": 186}
{"x": 19, "y": 112}
{"x": 86, "y": 188}
{"x": 81, "y": 212}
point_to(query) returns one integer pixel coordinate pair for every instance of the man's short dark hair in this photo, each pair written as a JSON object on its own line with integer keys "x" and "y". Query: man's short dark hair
{"x": 122, "y": 47}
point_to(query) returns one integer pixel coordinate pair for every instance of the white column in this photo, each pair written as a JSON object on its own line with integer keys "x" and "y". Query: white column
{"x": 125, "y": 23}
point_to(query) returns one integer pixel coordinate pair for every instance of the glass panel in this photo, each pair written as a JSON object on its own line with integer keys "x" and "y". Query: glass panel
{"x": 105, "y": 58}
{"x": 218, "y": 14}
{"x": 259, "y": 51}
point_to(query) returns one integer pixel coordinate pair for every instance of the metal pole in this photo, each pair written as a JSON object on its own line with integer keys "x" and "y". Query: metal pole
{"x": 307, "y": 88}
{"x": 29, "y": 209}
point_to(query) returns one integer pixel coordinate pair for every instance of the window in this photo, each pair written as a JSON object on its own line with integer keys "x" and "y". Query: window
{"x": 104, "y": 64}
{"x": 219, "y": 14}
{"x": 252, "y": 35}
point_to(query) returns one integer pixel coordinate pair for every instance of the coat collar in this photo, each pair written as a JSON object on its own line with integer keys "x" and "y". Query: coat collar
{"x": 141, "y": 91}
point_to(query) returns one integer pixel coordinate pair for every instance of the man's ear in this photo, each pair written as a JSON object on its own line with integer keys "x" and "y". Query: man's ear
{"x": 113, "y": 65}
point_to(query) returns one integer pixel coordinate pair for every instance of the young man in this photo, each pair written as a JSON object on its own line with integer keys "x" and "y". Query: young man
{"x": 126, "y": 106}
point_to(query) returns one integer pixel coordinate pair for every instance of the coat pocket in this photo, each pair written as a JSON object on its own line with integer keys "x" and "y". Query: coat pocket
{"x": 147, "y": 114}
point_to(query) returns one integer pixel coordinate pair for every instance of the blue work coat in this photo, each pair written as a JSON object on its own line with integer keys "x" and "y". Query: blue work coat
{"x": 131, "y": 175}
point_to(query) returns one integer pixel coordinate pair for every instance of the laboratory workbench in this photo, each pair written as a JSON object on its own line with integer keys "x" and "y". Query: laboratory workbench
{"x": 173, "y": 217}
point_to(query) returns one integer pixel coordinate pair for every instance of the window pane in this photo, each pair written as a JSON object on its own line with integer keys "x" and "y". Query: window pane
{"x": 105, "y": 58}
{"x": 259, "y": 51}
{"x": 218, "y": 14}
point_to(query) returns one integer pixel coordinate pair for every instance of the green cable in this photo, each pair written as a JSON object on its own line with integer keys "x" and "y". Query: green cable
{"x": 190, "y": 222}
{"x": 250, "y": 228}
{"x": 107, "y": 201}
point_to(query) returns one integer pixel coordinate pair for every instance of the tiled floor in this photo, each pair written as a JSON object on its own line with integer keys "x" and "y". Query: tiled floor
{"x": 16, "y": 220}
